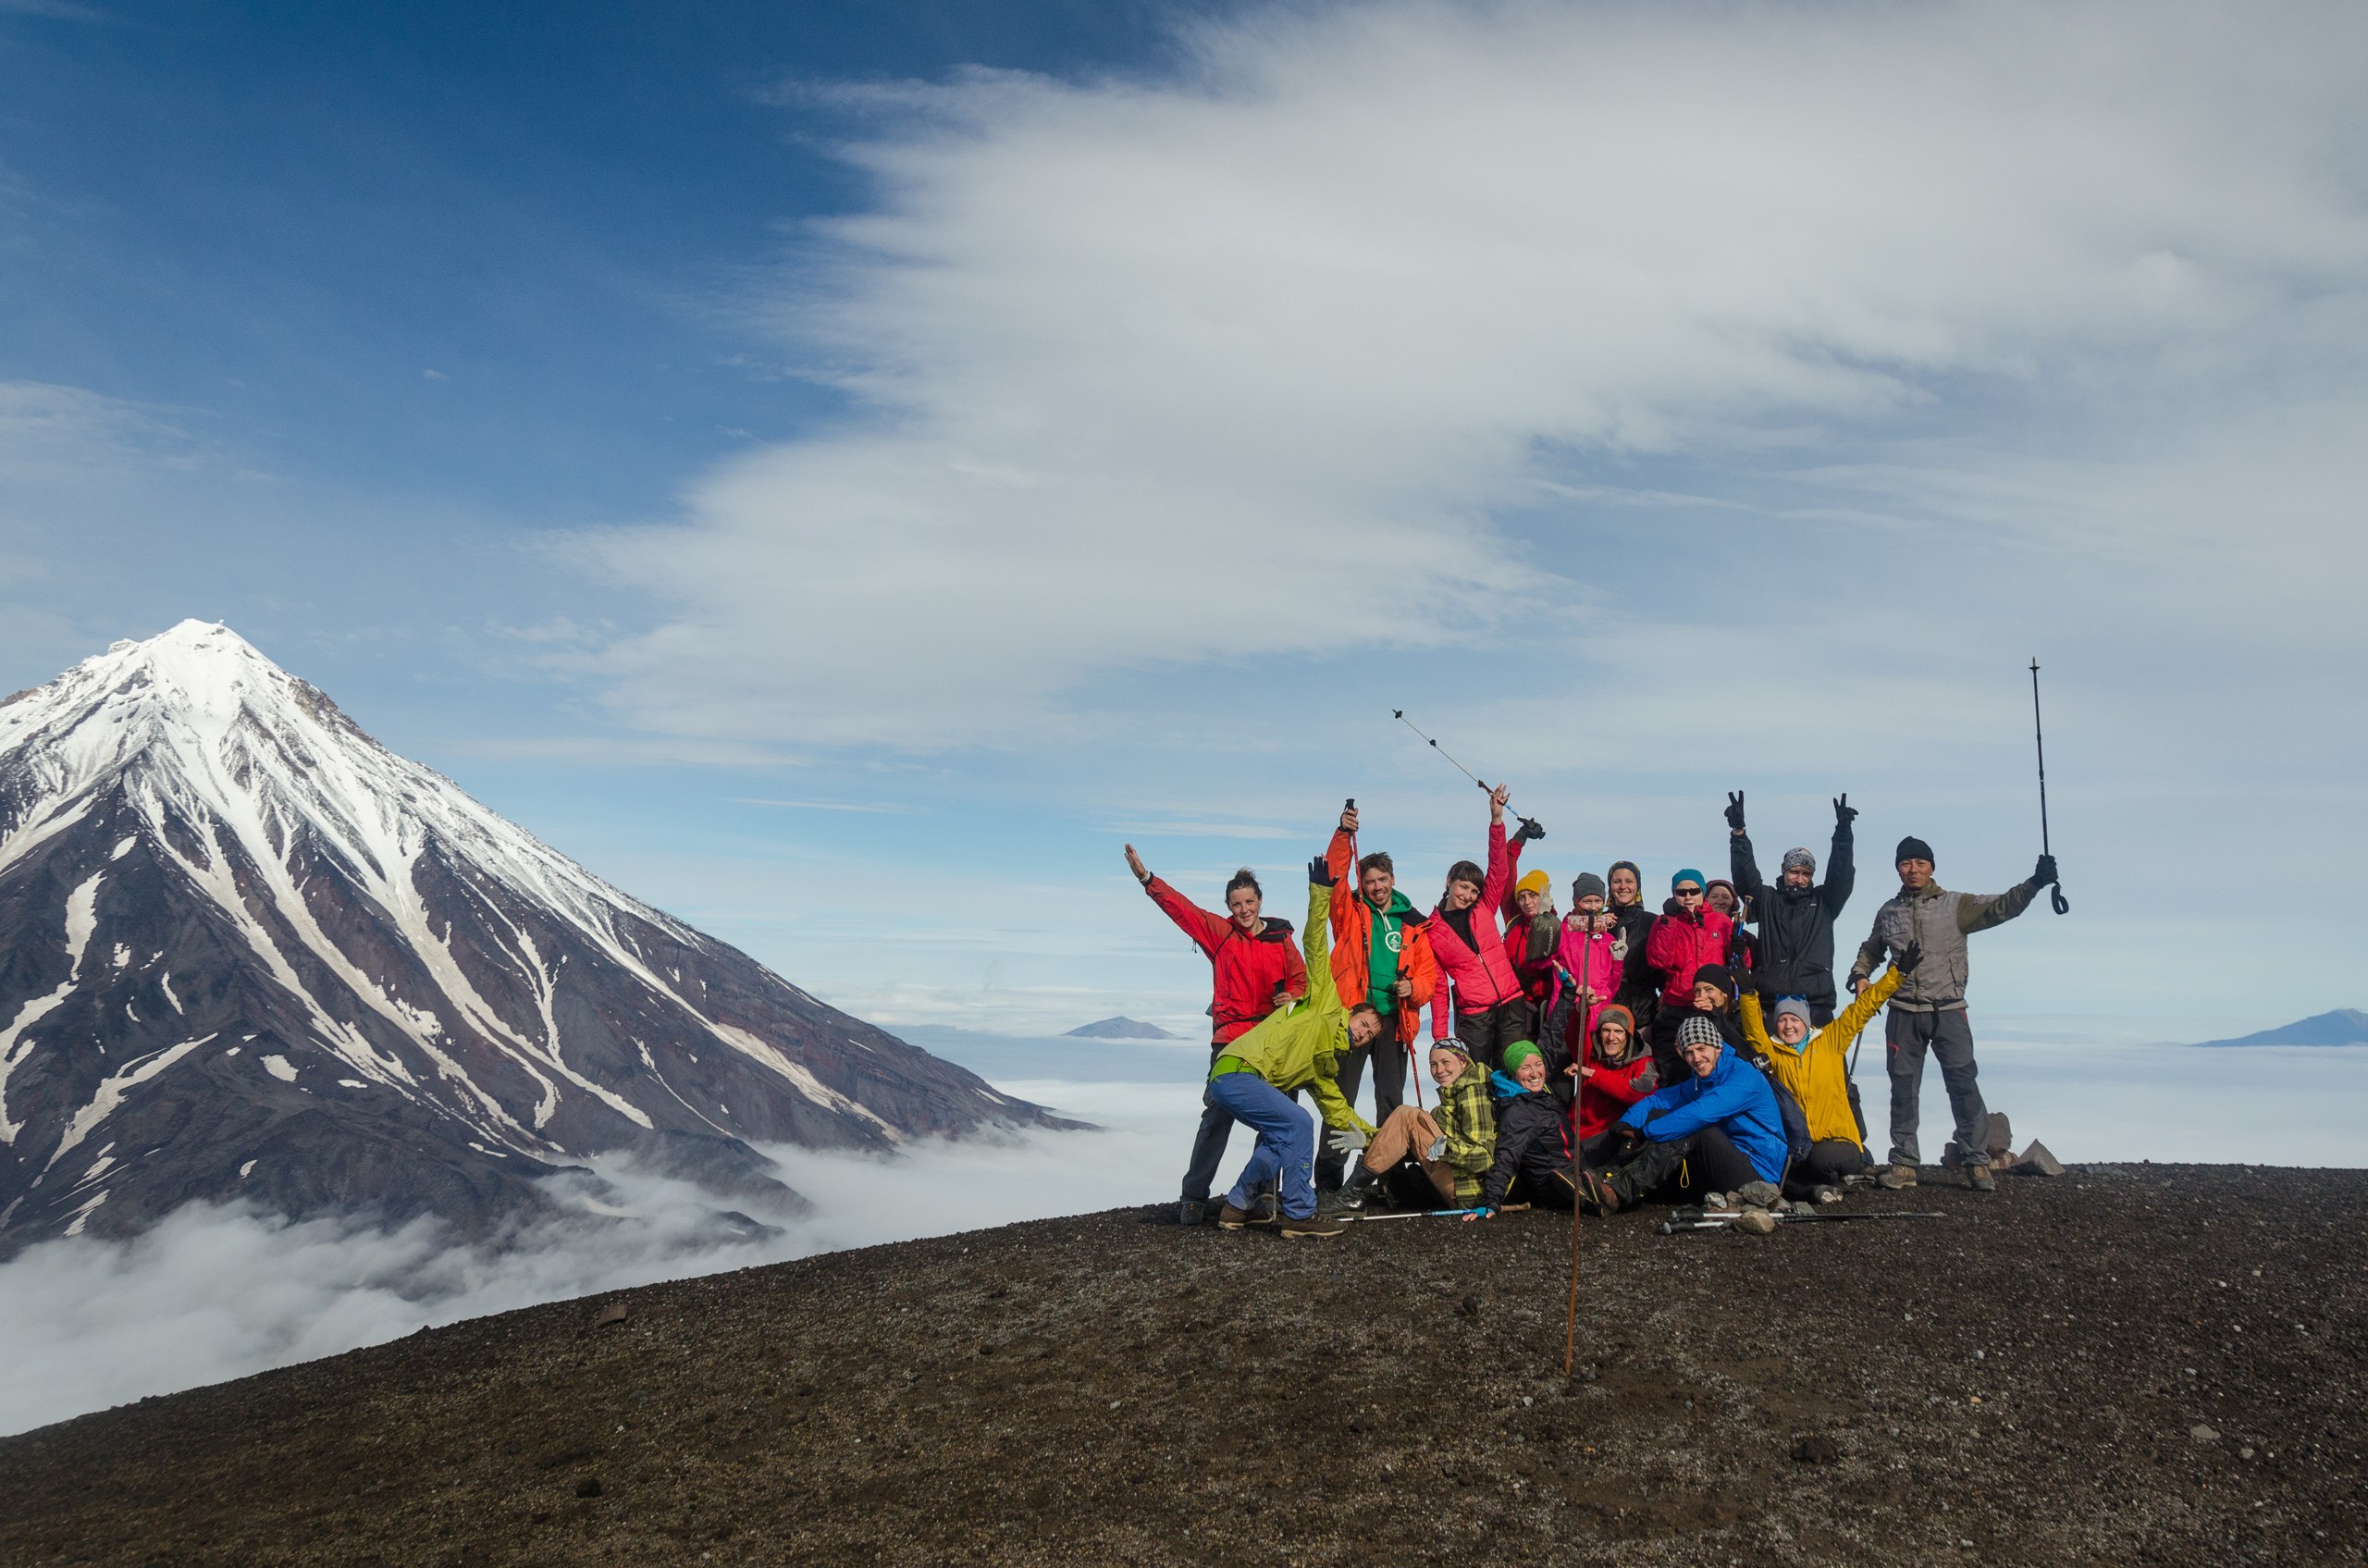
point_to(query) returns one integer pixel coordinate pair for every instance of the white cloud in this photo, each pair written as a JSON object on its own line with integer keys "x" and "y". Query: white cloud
{"x": 1175, "y": 372}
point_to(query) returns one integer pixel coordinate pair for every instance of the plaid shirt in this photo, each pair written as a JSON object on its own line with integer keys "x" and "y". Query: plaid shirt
{"x": 1470, "y": 1128}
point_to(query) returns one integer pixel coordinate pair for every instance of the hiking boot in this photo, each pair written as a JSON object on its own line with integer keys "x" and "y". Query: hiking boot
{"x": 1192, "y": 1211}
{"x": 1597, "y": 1192}
{"x": 1265, "y": 1209}
{"x": 1231, "y": 1218}
{"x": 1347, "y": 1200}
{"x": 1827, "y": 1195}
{"x": 1978, "y": 1177}
{"x": 1314, "y": 1225}
{"x": 1897, "y": 1177}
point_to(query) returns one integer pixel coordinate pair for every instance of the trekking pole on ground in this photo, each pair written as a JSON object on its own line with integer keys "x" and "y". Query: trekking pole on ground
{"x": 2055, "y": 890}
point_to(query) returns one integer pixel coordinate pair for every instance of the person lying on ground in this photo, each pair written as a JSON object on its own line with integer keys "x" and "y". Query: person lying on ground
{"x": 1639, "y": 985}
{"x": 1422, "y": 1157}
{"x": 1928, "y": 1011}
{"x": 1532, "y": 928}
{"x": 1257, "y": 968}
{"x": 1718, "y": 1130}
{"x": 1381, "y": 958}
{"x": 1688, "y": 935}
{"x": 1816, "y": 1070}
{"x": 1490, "y": 1012}
{"x": 1796, "y": 917}
{"x": 1591, "y": 951}
{"x": 1296, "y": 1049}
{"x": 1533, "y": 1138}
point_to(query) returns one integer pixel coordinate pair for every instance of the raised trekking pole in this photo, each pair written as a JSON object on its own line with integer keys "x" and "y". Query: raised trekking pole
{"x": 1351, "y": 805}
{"x": 2055, "y": 890}
{"x": 1399, "y": 714}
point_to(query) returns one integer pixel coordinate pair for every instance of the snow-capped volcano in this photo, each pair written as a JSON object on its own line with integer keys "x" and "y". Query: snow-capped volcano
{"x": 245, "y": 950}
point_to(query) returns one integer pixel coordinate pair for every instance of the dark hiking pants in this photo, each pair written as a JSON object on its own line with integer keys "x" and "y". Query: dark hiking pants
{"x": 1488, "y": 1031}
{"x": 1948, "y": 1035}
{"x": 1830, "y": 1159}
{"x": 1388, "y": 1057}
{"x": 1701, "y": 1161}
{"x": 1208, "y": 1144}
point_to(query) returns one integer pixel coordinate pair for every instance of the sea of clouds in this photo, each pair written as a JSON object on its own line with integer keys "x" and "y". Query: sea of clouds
{"x": 220, "y": 1292}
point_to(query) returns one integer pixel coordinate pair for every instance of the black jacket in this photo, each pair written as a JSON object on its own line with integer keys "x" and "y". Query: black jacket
{"x": 1638, "y": 979}
{"x": 1533, "y": 1143}
{"x": 1796, "y": 956}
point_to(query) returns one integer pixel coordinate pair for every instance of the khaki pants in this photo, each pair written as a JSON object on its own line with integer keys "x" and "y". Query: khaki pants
{"x": 1405, "y": 1134}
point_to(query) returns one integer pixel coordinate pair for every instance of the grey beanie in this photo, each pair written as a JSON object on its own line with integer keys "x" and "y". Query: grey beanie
{"x": 1802, "y": 858}
{"x": 1697, "y": 1030}
{"x": 1792, "y": 1006}
{"x": 1588, "y": 884}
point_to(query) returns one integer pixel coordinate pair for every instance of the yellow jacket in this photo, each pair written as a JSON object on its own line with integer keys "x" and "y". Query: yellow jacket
{"x": 1817, "y": 1072}
{"x": 1299, "y": 1046}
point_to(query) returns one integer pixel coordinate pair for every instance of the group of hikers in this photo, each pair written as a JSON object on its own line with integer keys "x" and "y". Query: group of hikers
{"x": 1598, "y": 1057}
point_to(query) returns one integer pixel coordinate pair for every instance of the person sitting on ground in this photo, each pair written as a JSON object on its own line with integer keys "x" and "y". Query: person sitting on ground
{"x": 1532, "y": 928}
{"x": 1796, "y": 917}
{"x": 1615, "y": 1073}
{"x": 1298, "y": 1048}
{"x": 1381, "y": 956}
{"x": 1533, "y": 1138}
{"x": 1927, "y": 1010}
{"x": 1592, "y": 952}
{"x": 1257, "y": 969}
{"x": 1490, "y": 1012}
{"x": 1688, "y": 935}
{"x": 1422, "y": 1157}
{"x": 1815, "y": 1069}
{"x": 1718, "y": 1130}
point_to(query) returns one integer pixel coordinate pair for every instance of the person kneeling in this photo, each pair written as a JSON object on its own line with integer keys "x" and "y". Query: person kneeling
{"x": 1298, "y": 1048}
{"x": 1421, "y": 1157}
{"x": 1533, "y": 1138}
{"x": 1815, "y": 1071}
{"x": 1717, "y": 1130}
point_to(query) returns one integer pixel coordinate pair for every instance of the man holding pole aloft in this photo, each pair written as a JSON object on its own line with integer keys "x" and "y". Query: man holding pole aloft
{"x": 1928, "y": 1011}
{"x": 1381, "y": 959}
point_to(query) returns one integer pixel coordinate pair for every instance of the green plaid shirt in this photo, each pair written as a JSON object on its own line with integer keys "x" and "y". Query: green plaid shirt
{"x": 1470, "y": 1128}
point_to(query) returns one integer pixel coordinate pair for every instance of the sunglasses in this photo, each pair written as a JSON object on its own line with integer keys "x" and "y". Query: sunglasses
{"x": 1689, "y": 893}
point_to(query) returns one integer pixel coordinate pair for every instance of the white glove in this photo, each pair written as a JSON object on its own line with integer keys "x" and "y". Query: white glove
{"x": 1346, "y": 1140}
{"x": 1437, "y": 1151}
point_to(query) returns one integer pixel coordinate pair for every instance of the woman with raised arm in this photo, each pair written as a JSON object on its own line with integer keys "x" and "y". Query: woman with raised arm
{"x": 1490, "y": 1011}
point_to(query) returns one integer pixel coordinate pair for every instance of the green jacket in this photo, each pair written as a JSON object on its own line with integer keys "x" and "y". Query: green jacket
{"x": 1300, "y": 1047}
{"x": 1470, "y": 1124}
{"x": 1937, "y": 921}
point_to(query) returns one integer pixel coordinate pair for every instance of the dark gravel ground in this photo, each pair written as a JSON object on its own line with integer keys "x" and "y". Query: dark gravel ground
{"x": 2140, "y": 1364}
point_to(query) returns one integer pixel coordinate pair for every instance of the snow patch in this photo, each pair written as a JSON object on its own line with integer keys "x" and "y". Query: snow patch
{"x": 123, "y": 846}
{"x": 247, "y": 1170}
{"x": 281, "y": 1067}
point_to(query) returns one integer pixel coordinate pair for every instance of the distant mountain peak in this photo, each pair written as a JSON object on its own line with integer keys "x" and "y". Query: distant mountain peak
{"x": 2345, "y": 1026}
{"x": 247, "y": 951}
{"x": 1121, "y": 1029}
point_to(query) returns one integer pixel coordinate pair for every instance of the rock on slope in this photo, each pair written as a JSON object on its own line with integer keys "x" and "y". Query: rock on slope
{"x": 2163, "y": 1367}
{"x": 247, "y": 952}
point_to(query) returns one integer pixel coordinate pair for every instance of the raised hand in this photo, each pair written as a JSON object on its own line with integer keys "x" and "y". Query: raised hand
{"x": 1843, "y": 813}
{"x": 1497, "y": 798}
{"x": 1135, "y": 864}
{"x": 1319, "y": 872}
{"x": 1734, "y": 810}
{"x": 2045, "y": 873}
{"x": 1527, "y": 831}
{"x": 1348, "y": 820}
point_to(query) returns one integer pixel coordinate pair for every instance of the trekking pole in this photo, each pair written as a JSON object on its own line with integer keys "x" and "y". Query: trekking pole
{"x": 1399, "y": 714}
{"x": 2055, "y": 890}
{"x": 1578, "y": 1093}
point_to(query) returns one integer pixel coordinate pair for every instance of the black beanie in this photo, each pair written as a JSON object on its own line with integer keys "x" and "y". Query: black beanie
{"x": 1717, "y": 975}
{"x": 1912, "y": 850}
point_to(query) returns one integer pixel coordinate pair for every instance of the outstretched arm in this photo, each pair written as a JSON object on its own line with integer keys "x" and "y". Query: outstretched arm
{"x": 1315, "y": 937}
{"x": 1206, "y": 929}
{"x": 1841, "y": 862}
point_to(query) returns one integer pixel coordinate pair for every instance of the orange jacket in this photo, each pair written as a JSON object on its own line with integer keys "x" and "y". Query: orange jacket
{"x": 1353, "y": 943}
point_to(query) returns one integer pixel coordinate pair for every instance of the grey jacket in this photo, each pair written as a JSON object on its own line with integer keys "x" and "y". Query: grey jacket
{"x": 1939, "y": 921}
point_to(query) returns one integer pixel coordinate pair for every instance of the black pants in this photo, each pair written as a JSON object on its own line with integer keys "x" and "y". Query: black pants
{"x": 1701, "y": 1161}
{"x": 1488, "y": 1031}
{"x": 1830, "y": 1159}
{"x": 1948, "y": 1036}
{"x": 1388, "y": 1059}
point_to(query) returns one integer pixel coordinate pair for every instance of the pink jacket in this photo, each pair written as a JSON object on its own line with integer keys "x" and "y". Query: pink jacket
{"x": 1678, "y": 946}
{"x": 1589, "y": 956}
{"x": 1482, "y": 971}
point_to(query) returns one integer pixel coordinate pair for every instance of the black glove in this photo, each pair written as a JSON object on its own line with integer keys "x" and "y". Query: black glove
{"x": 1734, "y": 809}
{"x": 1319, "y": 872}
{"x": 1626, "y": 1135}
{"x": 1527, "y": 831}
{"x": 1908, "y": 958}
{"x": 2045, "y": 874}
{"x": 1843, "y": 813}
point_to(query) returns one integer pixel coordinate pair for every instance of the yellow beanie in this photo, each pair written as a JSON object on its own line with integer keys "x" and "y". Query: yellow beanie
{"x": 1535, "y": 881}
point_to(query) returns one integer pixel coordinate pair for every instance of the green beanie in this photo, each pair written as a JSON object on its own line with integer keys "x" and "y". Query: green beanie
{"x": 1517, "y": 1052}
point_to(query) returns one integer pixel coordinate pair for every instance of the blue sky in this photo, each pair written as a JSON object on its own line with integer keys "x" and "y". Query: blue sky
{"x": 840, "y": 470}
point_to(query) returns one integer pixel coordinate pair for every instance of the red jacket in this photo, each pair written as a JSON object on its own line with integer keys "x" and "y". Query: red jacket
{"x": 1482, "y": 972}
{"x": 1537, "y": 979}
{"x": 1250, "y": 969}
{"x": 1681, "y": 943}
{"x": 1605, "y": 1098}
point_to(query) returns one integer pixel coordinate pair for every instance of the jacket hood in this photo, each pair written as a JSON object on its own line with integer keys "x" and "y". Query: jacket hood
{"x": 1399, "y": 905}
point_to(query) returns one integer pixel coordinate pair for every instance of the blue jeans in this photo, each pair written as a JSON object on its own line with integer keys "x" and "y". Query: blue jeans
{"x": 1285, "y": 1141}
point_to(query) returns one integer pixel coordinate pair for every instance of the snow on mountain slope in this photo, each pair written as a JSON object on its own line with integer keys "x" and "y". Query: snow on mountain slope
{"x": 247, "y": 950}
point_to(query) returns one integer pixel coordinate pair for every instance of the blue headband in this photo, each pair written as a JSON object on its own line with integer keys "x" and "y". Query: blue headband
{"x": 1689, "y": 874}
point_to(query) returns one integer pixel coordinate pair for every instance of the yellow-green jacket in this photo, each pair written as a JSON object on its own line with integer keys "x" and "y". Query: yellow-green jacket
{"x": 1299, "y": 1047}
{"x": 1817, "y": 1072}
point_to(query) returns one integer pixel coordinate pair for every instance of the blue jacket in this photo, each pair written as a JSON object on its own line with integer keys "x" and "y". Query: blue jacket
{"x": 1735, "y": 1097}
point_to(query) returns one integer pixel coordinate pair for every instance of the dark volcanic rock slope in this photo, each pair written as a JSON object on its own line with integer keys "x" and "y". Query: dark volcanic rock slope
{"x": 2160, "y": 1368}
{"x": 245, "y": 951}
